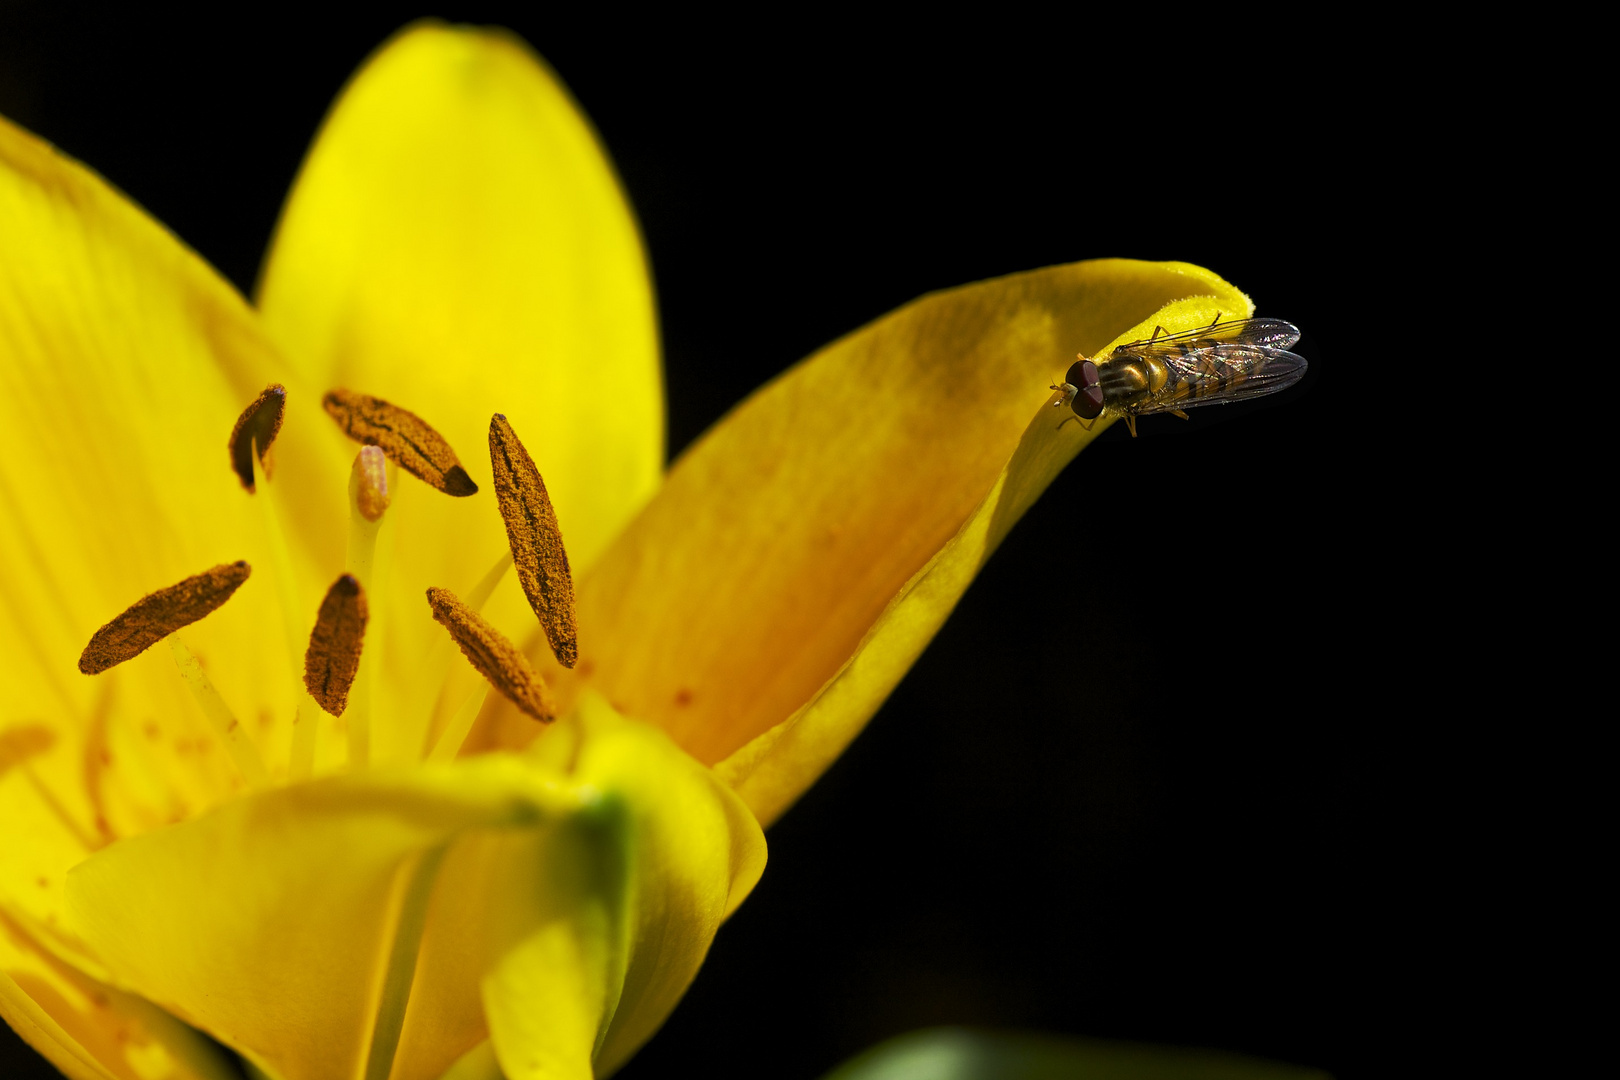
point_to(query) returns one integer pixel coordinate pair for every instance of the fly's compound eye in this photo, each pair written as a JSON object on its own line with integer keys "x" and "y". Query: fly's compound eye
{"x": 1088, "y": 395}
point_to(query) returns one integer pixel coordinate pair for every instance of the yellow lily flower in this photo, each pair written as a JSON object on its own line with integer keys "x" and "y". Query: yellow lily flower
{"x": 457, "y": 243}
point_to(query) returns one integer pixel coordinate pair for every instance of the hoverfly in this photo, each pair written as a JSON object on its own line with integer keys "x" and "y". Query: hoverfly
{"x": 1220, "y": 362}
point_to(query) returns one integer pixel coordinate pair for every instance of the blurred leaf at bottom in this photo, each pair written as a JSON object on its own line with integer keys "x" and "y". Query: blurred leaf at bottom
{"x": 964, "y": 1054}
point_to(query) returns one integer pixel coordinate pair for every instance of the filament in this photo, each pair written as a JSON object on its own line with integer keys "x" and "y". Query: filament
{"x": 281, "y": 567}
{"x": 460, "y": 726}
{"x": 229, "y": 729}
{"x": 306, "y": 725}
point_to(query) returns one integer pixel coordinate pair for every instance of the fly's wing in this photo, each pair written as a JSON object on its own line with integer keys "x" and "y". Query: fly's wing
{"x": 1262, "y": 333}
{"x": 1217, "y": 374}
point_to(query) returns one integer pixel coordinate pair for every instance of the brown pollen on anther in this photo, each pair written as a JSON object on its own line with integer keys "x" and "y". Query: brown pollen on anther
{"x": 157, "y": 615}
{"x": 405, "y": 437}
{"x": 537, "y": 544}
{"x": 496, "y": 658}
{"x": 333, "y": 656}
{"x": 258, "y": 425}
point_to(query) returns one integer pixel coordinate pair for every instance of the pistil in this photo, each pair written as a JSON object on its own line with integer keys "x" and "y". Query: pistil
{"x": 369, "y": 498}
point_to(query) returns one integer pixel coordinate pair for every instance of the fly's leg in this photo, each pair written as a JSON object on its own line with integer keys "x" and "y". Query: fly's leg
{"x": 1194, "y": 343}
{"x": 1157, "y": 330}
{"x": 1086, "y": 424}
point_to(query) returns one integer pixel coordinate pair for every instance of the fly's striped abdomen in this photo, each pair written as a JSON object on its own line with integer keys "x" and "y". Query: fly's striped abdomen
{"x": 1214, "y": 373}
{"x": 1218, "y": 363}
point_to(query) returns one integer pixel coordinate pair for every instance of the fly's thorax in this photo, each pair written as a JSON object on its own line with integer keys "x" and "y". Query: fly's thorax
{"x": 1130, "y": 381}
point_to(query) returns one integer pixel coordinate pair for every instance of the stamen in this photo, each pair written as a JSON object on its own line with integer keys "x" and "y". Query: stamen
{"x": 257, "y": 427}
{"x": 281, "y": 569}
{"x": 301, "y": 762}
{"x": 334, "y": 645}
{"x": 435, "y": 664}
{"x": 403, "y": 436}
{"x": 460, "y": 726}
{"x": 537, "y": 545}
{"x": 496, "y": 658}
{"x": 243, "y": 752}
{"x": 159, "y": 614}
{"x": 486, "y": 585}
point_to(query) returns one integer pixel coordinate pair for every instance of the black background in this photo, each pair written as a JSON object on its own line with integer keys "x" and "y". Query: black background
{"x": 1156, "y": 823}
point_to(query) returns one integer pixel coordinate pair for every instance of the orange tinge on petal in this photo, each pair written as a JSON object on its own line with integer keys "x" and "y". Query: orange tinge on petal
{"x": 803, "y": 552}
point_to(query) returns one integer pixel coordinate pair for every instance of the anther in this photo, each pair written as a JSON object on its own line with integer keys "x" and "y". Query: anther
{"x": 537, "y": 545}
{"x": 157, "y": 615}
{"x": 333, "y": 657}
{"x": 496, "y": 658}
{"x": 258, "y": 426}
{"x": 405, "y": 437}
{"x": 370, "y": 483}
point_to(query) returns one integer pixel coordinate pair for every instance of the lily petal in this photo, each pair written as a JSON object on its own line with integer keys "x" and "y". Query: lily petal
{"x": 124, "y": 360}
{"x": 572, "y": 891}
{"x": 805, "y": 550}
{"x": 91, "y": 1031}
{"x": 457, "y": 243}
{"x": 772, "y": 770}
